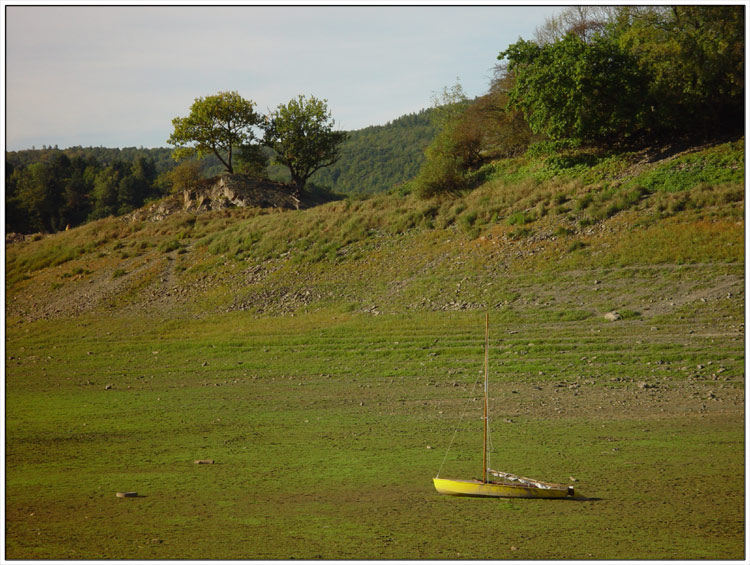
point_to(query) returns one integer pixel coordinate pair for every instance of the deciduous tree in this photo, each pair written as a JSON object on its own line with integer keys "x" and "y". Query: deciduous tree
{"x": 302, "y": 136}
{"x": 572, "y": 88}
{"x": 218, "y": 125}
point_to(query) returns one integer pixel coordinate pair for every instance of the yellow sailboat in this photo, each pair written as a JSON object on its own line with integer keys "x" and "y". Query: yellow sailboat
{"x": 503, "y": 485}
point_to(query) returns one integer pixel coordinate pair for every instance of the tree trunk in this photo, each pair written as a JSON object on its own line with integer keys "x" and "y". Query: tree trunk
{"x": 228, "y": 165}
{"x": 298, "y": 185}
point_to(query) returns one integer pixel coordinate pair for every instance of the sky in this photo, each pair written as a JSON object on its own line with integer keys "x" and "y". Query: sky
{"x": 116, "y": 76}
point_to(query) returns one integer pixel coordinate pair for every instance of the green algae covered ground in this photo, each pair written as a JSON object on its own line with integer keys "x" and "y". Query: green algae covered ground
{"x": 326, "y": 431}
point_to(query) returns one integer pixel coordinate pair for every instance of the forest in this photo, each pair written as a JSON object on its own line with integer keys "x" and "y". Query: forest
{"x": 49, "y": 189}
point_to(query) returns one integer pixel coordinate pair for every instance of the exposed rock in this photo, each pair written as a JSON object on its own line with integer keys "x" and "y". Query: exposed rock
{"x": 14, "y": 238}
{"x": 228, "y": 191}
{"x": 217, "y": 193}
{"x": 612, "y": 316}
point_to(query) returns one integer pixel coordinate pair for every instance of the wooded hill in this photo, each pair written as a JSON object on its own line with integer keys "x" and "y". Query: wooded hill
{"x": 376, "y": 158}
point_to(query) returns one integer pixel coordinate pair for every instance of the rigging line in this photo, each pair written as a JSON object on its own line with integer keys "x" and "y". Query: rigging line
{"x": 466, "y": 406}
{"x": 489, "y": 439}
{"x": 489, "y": 427}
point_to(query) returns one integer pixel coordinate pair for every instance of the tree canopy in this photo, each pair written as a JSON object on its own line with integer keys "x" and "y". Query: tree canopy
{"x": 598, "y": 76}
{"x": 572, "y": 88}
{"x": 218, "y": 125}
{"x": 626, "y": 71}
{"x": 50, "y": 189}
{"x": 302, "y": 137}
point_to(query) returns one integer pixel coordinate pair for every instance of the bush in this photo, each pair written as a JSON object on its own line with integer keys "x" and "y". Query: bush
{"x": 571, "y": 88}
{"x": 551, "y": 147}
{"x": 575, "y": 246}
{"x": 168, "y": 246}
{"x": 467, "y": 223}
{"x": 721, "y": 165}
{"x": 519, "y": 233}
{"x": 520, "y": 218}
{"x": 584, "y": 202}
{"x": 439, "y": 175}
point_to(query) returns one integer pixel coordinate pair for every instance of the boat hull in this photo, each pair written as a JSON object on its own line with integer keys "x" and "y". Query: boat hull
{"x": 458, "y": 487}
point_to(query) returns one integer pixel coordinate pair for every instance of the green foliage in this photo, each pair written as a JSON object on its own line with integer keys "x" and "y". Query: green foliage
{"x": 723, "y": 164}
{"x": 573, "y": 89}
{"x": 471, "y": 133}
{"x": 217, "y": 125}
{"x": 440, "y": 174}
{"x": 552, "y": 147}
{"x": 37, "y": 196}
{"x": 252, "y": 160}
{"x": 97, "y": 156}
{"x": 185, "y": 175}
{"x": 49, "y": 190}
{"x": 122, "y": 187}
{"x": 634, "y": 72}
{"x": 694, "y": 56}
{"x": 170, "y": 245}
{"x": 302, "y": 137}
{"x": 576, "y": 245}
{"x": 453, "y": 151}
{"x": 520, "y": 218}
{"x": 627, "y": 314}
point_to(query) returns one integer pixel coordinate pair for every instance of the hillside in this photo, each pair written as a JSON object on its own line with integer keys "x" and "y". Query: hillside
{"x": 390, "y": 253}
{"x": 376, "y": 158}
{"x": 327, "y": 360}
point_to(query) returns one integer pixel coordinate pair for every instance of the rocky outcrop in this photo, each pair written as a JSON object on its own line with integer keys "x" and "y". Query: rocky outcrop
{"x": 229, "y": 191}
{"x": 14, "y": 238}
{"x": 225, "y": 191}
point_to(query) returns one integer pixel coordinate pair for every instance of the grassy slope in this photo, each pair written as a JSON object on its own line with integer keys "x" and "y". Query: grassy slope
{"x": 319, "y": 421}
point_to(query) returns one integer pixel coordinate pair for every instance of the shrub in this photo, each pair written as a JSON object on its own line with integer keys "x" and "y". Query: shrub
{"x": 549, "y": 147}
{"x": 575, "y": 246}
{"x": 520, "y": 218}
{"x": 168, "y": 246}
{"x": 440, "y": 174}
{"x": 629, "y": 314}
{"x": 519, "y": 233}
{"x": 584, "y": 202}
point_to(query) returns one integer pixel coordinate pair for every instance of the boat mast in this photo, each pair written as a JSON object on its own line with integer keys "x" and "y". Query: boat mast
{"x": 486, "y": 347}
